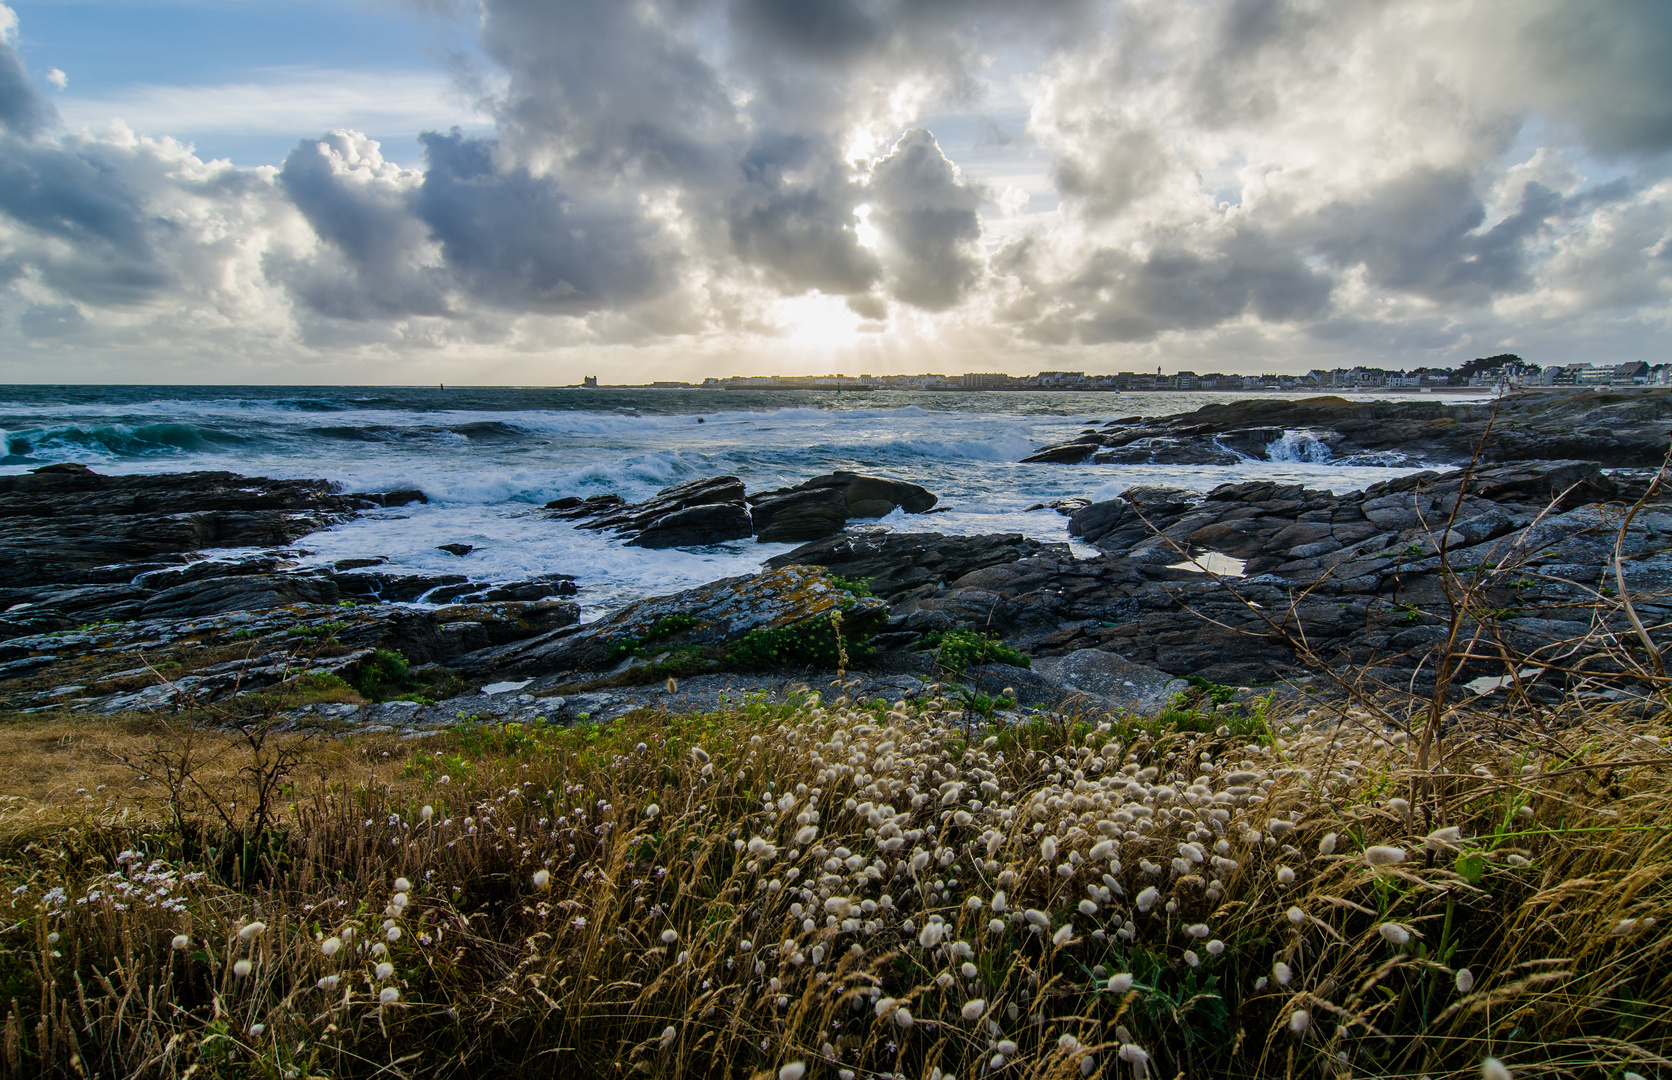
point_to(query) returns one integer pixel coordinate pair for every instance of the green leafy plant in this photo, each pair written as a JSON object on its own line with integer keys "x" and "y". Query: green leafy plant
{"x": 660, "y": 630}
{"x": 816, "y": 641}
{"x": 959, "y": 649}
{"x": 857, "y": 586}
{"x": 384, "y": 676}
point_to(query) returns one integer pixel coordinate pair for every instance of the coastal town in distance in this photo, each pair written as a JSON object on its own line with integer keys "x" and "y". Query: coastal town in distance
{"x": 1504, "y": 371}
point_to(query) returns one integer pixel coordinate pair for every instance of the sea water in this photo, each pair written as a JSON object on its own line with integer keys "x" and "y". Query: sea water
{"x": 488, "y": 458}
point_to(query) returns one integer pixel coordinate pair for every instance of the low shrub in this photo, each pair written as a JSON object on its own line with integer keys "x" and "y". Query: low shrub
{"x": 960, "y": 649}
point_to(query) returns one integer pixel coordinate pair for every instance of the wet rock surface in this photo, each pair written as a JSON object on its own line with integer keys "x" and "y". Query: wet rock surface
{"x": 1616, "y": 429}
{"x": 171, "y": 664}
{"x": 60, "y": 522}
{"x": 898, "y": 566}
{"x": 1359, "y": 577}
{"x": 822, "y": 506}
{"x": 716, "y": 509}
{"x": 706, "y": 511}
{"x": 708, "y": 617}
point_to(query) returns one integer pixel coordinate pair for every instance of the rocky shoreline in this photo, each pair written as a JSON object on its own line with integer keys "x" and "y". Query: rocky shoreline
{"x": 187, "y": 592}
{"x": 1613, "y": 429}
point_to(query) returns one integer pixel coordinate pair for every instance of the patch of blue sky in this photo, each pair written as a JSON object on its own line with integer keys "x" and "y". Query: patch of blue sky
{"x": 222, "y": 74}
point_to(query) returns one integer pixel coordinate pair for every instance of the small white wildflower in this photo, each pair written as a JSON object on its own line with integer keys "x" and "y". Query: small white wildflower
{"x": 973, "y": 1009}
{"x": 542, "y": 878}
{"x": 902, "y": 1018}
{"x": 1148, "y": 898}
{"x": 1493, "y": 1069}
{"x": 1296, "y": 915}
{"x": 1394, "y": 933}
{"x": 392, "y": 935}
{"x": 384, "y": 970}
{"x": 1285, "y": 876}
{"x": 670, "y": 936}
{"x": 1465, "y": 980}
{"x": 1198, "y": 930}
{"x": 330, "y": 946}
{"x": 388, "y": 995}
{"x": 256, "y": 1030}
{"x": 426, "y": 812}
{"x": 1215, "y": 947}
{"x": 1191, "y": 958}
{"x": 1384, "y": 855}
{"x": 402, "y": 885}
{"x": 1299, "y": 1021}
{"x": 1281, "y": 974}
{"x": 181, "y": 941}
{"x": 995, "y": 926}
{"x": 251, "y": 931}
{"x": 241, "y": 968}
{"x": 652, "y": 810}
{"x": 1064, "y": 932}
{"x": 329, "y": 982}
{"x": 1326, "y": 846}
{"x": 795, "y": 1070}
{"x": 1120, "y": 983}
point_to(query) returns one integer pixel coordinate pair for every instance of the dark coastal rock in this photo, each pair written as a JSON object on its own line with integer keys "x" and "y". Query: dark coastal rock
{"x": 116, "y": 664}
{"x": 821, "y": 506}
{"x": 1620, "y": 429}
{"x": 898, "y": 565}
{"x": 577, "y": 508}
{"x": 1357, "y": 576}
{"x": 710, "y": 523}
{"x": 461, "y": 550}
{"x": 706, "y": 511}
{"x": 60, "y": 522}
{"x": 710, "y": 616}
{"x": 1160, "y": 450}
{"x": 716, "y": 509}
{"x": 799, "y": 516}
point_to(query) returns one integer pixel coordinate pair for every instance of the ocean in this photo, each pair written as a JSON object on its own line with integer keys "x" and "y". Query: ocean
{"x": 488, "y": 458}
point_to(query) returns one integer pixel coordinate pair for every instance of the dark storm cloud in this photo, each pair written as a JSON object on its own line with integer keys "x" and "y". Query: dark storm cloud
{"x": 1115, "y": 295}
{"x": 501, "y": 235}
{"x": 1422, "y": 234}
{"x": 800, "y": 229}
{"x": 745, "y": 130}
{"x": 373, "y": 267}
{"x": 927, "y": 221}
{"x": 81, "y": 196}
{"x": 516, "y": 240}
{"x": 22, "y": 111}
{"x": 1600, "y": 65}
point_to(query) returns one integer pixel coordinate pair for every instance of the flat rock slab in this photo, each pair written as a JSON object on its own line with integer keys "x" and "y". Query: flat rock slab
{"x": 1112, "y": 680}
{"x": 898, "y": 565}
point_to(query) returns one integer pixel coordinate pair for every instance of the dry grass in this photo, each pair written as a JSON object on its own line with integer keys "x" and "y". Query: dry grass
{"x": 827, "y": 877}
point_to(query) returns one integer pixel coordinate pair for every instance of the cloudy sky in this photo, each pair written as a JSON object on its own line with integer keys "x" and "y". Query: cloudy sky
{"x": 526, "y": 191}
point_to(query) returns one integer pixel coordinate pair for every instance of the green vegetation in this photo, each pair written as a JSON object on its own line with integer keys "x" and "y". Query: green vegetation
{"x": 960, "y": 649}
{"x": 385, "y": 676}
{"x": 857, "y": 586}
{"x": 660, "y": 630}
{"x": 318, "y": 631}
{"x": 816, "y": 642}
